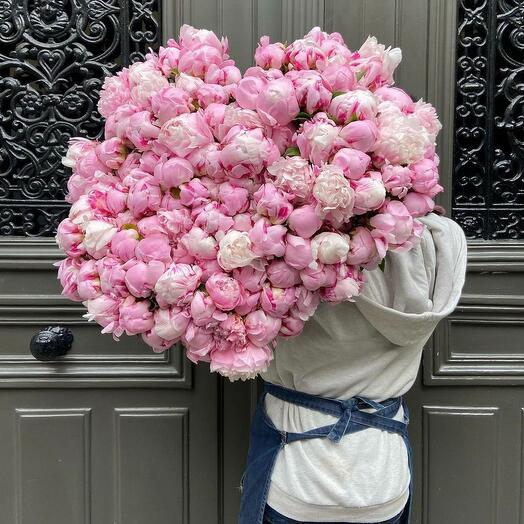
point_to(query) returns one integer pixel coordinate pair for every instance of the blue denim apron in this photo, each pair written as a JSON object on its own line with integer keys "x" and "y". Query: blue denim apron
{"x": 266, "y": 441}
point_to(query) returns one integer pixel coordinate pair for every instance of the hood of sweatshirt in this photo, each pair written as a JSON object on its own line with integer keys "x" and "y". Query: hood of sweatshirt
{"x": 418, "y": 288}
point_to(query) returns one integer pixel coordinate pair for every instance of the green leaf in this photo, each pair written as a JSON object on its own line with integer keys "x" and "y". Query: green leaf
{"x": 382, "y": 265}
{"x": 338, "y": 93}
{"x": 360, "y": 74}
{"x": 292, "y": 151}
{"x": 302, "y": 117}
{"x": 353, "y": 118}
{"x": 175, "y": 192}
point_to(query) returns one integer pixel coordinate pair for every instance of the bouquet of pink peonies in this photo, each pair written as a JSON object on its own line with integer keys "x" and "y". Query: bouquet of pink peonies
{"x": 221, "y": 208}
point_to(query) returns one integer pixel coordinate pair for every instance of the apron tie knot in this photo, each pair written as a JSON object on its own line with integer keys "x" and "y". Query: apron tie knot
{"x": 339, "y": 428}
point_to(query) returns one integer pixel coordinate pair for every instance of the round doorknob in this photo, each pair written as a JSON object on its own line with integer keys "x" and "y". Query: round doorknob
{"x": 51, "y": 342}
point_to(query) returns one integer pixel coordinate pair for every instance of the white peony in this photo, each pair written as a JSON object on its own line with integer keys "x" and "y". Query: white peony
{"x": 145, "y": 81}
{"x": 185, "y": 133}
{"x": 234, "y": 250}
{"x": 330, "y": 248}
{"x": 390, "y": 58}
{"x": 333, "y": 192}
{"x": 97, "y": 236}
{"x": 370, "y": 194}
{"x": 293, "y": 175}
{"x": 402, "y": 139}
{"x": 189, "y": 83}
{"x": 177, "y": 284}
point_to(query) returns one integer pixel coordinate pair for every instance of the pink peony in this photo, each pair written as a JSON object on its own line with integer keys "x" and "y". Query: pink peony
{"x": 305, "y": 221}
{"x": 135, "y": 316}
{"x": 266, "y": 239}
{"x": 111, "y": 274}
{"x": 277, "y": 103}
{"x": 360, "y": 104}
{"x": 306, "y": 303}
{"x": 418, "y": 204}
{"x": 170, "y": 102}
{"x": 396, "y": 95}
{"x": 261, "y": 328}
{"x": 246, "y": 152}
{"x": 177, "y": 284}
{"x": 235, "y": 250}
{"x": 104, "y": 310}
{"x": 199, "y": 244}
{"x": 317, "y": 139}
{"x": 199, "y": 342}
{"x": 224, "y": 290}
{"x": 318, "y": 277}
{"x": 231, "y": 334}
{"x": 111, "y": 152}
{"x": 185, "y": 133}
{"x": 276, "y": 301}
{"x": 298, "y": 253}
{"x": 397, "y": 179}
{"x": 291, "y": 327}
{"x": 235, "y": 199}
{"x": 173, "y": 172}
{"x": 88, "y": 280}
{"x": 241, "y": 365}
{"x": 281, "y": 274}
{"x": 171, "y": 323}
{"x": 363, "y": 249}
{"x": 154, "y": 247}
{"x": 425, "y": 177}
{"x": 272, "y": 203}
{"x": 69, "y": 237}
{"x": 370, "y": 193}
{"x": 402, "y": 139}
{"x": 311, "y": 90}
{"x": 115, "y": 93}
{"x": 354, "y": 163}
{"x": 339, "y": 77}
{"x": 68, "y": 276}
{"x": 397, "y": 225}
{"x": 97, "y": 237}
{"x": 141, "y": 277}
{"x": 269, "y": 55}
{"x": 145, "y": 81}
{"x": 361, "y": 135}
{"x": 204, "y": 311}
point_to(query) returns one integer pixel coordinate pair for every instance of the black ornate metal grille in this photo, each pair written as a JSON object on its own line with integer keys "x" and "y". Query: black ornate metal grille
{"x": 54, "y": 55}
{"x": 488, "y": 187}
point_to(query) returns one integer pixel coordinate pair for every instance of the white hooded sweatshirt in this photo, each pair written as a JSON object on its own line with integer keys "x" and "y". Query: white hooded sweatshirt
{"x": 370, "y": 348}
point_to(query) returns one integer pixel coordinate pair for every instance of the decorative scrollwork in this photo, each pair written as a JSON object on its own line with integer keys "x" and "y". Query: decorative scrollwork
{"x": 488, "y": 192}
{"x": 54, "y": 55}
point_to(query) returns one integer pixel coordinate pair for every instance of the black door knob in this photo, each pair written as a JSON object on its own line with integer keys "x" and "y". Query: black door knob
{"x": 51, "y": 342}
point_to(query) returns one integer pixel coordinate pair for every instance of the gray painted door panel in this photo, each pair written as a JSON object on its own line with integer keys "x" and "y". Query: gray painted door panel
{"x": 125, "y": 456}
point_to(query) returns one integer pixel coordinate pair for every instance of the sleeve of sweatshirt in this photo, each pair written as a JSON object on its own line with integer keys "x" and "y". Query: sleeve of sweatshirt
{"x": 419, "y": 287}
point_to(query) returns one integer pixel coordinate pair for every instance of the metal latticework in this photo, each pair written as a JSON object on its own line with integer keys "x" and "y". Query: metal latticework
{"x": 488, "y": 187}
{"x": 54, "y": 55}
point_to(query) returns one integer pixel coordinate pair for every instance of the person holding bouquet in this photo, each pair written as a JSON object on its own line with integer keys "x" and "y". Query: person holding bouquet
{"x": 368, "y": 351}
